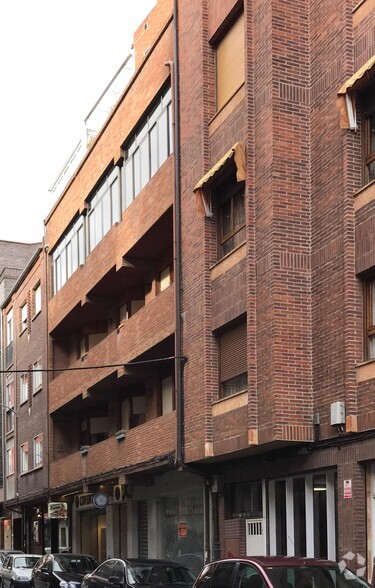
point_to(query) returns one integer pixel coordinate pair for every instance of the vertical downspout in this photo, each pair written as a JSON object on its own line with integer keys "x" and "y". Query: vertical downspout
{"x": 179, "y": 362}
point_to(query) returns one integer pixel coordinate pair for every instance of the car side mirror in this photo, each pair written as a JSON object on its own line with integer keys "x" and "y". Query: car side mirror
{"x": 115, "y": 581}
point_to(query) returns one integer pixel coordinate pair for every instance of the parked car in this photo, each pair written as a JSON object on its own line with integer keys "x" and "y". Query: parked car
{"x": 61, "y": 570}
{"x": 5, "y": 552}
{"x": 277, "y": 572}
{"x": 128, "y": 573}
{"x": 15, "y": 571}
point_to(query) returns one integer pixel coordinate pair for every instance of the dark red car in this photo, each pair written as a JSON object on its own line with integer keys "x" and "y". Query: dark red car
{"x": 277, "y": 572}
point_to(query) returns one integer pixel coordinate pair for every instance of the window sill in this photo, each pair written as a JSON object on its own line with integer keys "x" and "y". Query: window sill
{"x": 32, "y": 470}
{"x": 220, "y": 116}
{"x": 365, "y": 371}
{"x": 228, "y": 261}
{"x": 364, "y": 196}
{"x": 22, "y": 332}
{"x": 39, "y": 389}
{"x": 224, "y": 405}
{"x": 36, "y": 315}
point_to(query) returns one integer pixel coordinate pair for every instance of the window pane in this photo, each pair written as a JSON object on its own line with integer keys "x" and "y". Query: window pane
{"x": 137, "y": 173}
{"x": 230, "y": 63}
{"x": 299, "y": 507}
{"x": 170, "y": 128}
{"x": 92, "y": 231}
{"x": 239, "y": 209}
{"x": 81, "y": 246}
{"x": 320, "y": 516}
{"x": 69, "y": 259}
{"x": 115, "y": 199}
{"x": 371, "y": 171}
{"x": 154, "y": 149}
{"x": 163, "y": 137}
{"x": 145, "y": 163}
{"x": 128, "y": 182}
{"x": 106, "y": 211}
{"x": 372, "y": 132}
{"x": 280, "y": 508}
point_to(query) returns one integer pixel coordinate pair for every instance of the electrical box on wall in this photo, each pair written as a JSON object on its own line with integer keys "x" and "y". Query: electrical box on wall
{"x": 337, "y": 413}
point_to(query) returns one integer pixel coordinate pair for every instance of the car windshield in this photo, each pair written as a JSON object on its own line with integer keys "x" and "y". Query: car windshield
{"x": 26, "y": 561}
{"x": 313, "y": 577}
{"x": 158, "y": 574}
{"x": 79, "y": 564}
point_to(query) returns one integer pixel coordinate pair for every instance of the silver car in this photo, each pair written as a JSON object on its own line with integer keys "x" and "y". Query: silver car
{"x": 16, "y": 570}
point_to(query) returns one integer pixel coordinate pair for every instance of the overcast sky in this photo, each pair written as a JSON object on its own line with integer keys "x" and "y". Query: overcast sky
{"x": 57, "y": 56}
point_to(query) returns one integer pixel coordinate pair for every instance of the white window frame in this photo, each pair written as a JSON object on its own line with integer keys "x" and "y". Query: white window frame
{"x": 23, "y": 317}
{"x": 331, "y": 526}
{"x": 10, "y": 461}
{"x": 10, "y": 330}
{"x": 24, "y": 458}
{"x": 37, "y": 380}
{"x": 24, "y": 387}
{"x": 38, "y": 450}
{"x": 37, "y": 299}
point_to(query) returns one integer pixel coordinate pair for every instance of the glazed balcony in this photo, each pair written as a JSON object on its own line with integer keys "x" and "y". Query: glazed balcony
{"x": 145, "y": 230}
{"x": 155, "y": 438}
{"x": 151, "y": 325}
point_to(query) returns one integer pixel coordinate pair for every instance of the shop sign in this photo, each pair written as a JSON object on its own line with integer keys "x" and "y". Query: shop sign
{"x": 57, "y": 510}
{"x": 348, "y": 489}
{"x": 182, "y": 529}
{"x": 89, "y": 501}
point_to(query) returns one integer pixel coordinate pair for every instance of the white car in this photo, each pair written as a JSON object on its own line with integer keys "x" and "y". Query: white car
{"x": 16, "y": 568}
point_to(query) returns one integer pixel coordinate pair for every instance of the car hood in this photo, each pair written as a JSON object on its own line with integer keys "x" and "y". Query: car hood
{"x": 69, "y": 577}
{"x": 23, "y": 572}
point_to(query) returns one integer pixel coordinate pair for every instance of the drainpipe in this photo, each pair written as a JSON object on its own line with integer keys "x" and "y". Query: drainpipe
{"x": 180, "y": 360}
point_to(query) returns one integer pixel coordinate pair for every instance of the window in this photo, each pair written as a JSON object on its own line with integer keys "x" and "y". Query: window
{"x": 9, "y": 338}
{"x": 38, "y": 450}
{"x": 369, "y": 134}
{"x": 230, "y": 197}
{"x": 246, "y": 500}
{"x": 37, "y": 299}
{"x": 24, "y": 387}
{"x": 230, "y": 63}
{"x": 369, "y": 313}
{"x": 129, "y": 308}
{"x": 148, "y": 148}
{"x": 133, "y": 412}
{"x": 23, "y": 317}
{"x": 69, "y": 254}
{"x": 37, "y": 375}
{"x": 94, "y": 430}
{"x": 167, "y": 395}
{"x": 165, "y": 278}
{"x": 9, "y": 402}
{"x": 24, "y": 458}
{"x": 10, "y": 461}
{"x": 105, "y": 209}
{"x": 87, "y": 342}
{"x": 233, "y": 361}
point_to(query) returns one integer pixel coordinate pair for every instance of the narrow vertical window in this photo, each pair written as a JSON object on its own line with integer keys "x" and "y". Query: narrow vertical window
{"x": 230, "y": 63}
{"x": 38, "y": 450}
{"x": 24, "y": 458}
{"x": 37, "y": 299}
{"x": 24, "y": 387}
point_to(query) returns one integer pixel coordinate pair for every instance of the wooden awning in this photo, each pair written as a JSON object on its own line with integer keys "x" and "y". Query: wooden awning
{"x": 201, "y": 189}
{"x": 347, "y": 93}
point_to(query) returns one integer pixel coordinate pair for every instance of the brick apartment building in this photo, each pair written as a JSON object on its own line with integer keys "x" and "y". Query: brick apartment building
{"x": 24, "y": 402}
{"x": 210, "y": 278}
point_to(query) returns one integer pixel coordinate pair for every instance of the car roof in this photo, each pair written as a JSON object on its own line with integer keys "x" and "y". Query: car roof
{"x": 279, "y": 560}
{"x": 145, "y": 561}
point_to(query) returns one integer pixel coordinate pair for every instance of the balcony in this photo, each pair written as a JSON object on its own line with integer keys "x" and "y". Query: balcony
{"x": 151, "y": 325}
{"x": 152, "y": 439}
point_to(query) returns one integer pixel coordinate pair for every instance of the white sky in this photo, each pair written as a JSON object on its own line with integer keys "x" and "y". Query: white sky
{"x": 57, "y": 56}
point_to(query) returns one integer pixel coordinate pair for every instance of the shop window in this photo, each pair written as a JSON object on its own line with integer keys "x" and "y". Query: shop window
{"x": 233, "y": 360}
{"x": 24, "y": 458}
{"x": 230, "y": 63}
{"x": 230, "y": 197}
{"x": 369, "y": 313}
{"x": 368, "y": 102}
{"x": 247, "y": 500}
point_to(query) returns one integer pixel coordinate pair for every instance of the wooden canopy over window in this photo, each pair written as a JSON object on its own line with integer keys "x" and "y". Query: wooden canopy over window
{"x": 347, "y": 93}
{"x": 201, "y": 189}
